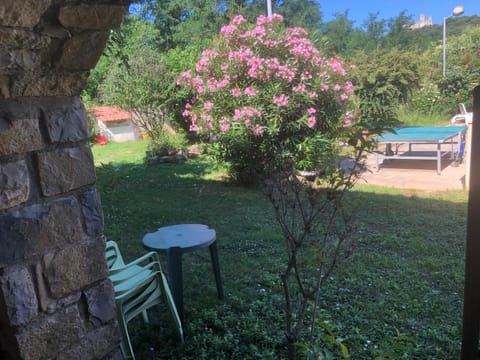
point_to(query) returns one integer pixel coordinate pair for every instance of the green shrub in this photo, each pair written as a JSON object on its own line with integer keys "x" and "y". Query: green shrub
{"x": 167, "y": 143}
{"x": 384, "y": 80}
{"x": 425, "y": 99}
{"x": 93, "y": 128}
{"x": 455, "y": 88}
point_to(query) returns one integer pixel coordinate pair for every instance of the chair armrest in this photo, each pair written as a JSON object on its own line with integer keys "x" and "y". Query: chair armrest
{"x": 127, "y": 290}
{"x": 148, "y": 257}
{"x": 133, "y": 272}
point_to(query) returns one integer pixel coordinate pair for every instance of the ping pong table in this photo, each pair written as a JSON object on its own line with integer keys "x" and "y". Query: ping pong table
{"x": 451, "y": 136}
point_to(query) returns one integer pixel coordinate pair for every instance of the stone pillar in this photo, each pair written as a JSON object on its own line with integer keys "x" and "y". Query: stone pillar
{"x": 56, "y": 301}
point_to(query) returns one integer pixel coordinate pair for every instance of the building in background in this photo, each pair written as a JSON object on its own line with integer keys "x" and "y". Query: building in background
{"x": 116, "y": 124}
{"x": 422, "y": 21}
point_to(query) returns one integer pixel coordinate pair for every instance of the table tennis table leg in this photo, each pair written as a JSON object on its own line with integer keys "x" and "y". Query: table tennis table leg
{"x": 439, "y": 159}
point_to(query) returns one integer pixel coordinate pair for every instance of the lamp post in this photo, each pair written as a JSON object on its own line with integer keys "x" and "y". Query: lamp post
{"x": 268, "y": 6}
{"x": 457, "y": 10}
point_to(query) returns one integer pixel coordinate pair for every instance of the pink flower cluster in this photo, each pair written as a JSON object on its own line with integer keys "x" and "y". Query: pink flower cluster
{"x": 348, "y": 119}
{"x": 312, "y": 119}
{"x": 281, "y": 100}
{"x": 246, "y": 112}
{"x": 261, "y": 75}
{"x": 250, "y": 91}
{"x": 249, "y": 116}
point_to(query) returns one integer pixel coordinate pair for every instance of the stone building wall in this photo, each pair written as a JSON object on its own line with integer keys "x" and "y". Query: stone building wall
{"x": 55, "y": 299}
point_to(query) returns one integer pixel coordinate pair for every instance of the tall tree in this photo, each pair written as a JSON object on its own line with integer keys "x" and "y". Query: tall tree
{"x": 399, "y": 33}
{"x": 299, "y": 13}
{"x": 143, "y": 86}
{"x": 183, "y": 22}
{"x": 375, "y": 30}
{"x": 303, "y": 13}
{"x": 165, "y": 17}
{"x": 337, "y": 34}
{"x": 134, "y": 34}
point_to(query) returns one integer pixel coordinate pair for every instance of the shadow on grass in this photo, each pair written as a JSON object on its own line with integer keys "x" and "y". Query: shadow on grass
{"x": 405, "y": 277}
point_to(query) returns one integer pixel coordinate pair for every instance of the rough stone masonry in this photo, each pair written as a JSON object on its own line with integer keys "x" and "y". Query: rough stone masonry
{"x": 56, "y": 301}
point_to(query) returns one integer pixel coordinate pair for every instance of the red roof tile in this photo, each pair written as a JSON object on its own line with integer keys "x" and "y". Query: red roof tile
{"x": 109, "y": 113}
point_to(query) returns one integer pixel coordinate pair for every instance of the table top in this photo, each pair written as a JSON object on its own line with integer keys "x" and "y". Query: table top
{"x": 421, "y": 134}
{"x": 185, "y": 236}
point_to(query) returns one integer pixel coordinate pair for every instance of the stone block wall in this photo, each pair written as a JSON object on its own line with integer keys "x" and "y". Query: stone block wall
{"x": 56, "y": 301}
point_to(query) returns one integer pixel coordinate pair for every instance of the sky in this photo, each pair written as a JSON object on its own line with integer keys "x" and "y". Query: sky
{"x": 359, "y": 10}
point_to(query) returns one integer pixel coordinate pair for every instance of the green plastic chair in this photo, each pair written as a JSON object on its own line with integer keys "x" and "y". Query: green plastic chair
{"x": 138, "y": 285}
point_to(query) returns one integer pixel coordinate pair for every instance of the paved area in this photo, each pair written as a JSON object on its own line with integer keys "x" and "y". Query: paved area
{"x": 416, "y": 174}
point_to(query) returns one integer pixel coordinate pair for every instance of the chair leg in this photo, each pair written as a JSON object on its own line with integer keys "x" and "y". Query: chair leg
{"x": 146, "y": 320}
{"x": 125, "y": 344}
{"x": 168, "y": 299}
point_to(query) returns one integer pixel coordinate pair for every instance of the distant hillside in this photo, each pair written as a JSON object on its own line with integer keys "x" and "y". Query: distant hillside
{"x": 455, "y": 26}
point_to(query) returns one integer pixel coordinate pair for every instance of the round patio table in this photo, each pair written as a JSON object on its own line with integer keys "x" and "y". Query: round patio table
{"x": 176, "y": 240}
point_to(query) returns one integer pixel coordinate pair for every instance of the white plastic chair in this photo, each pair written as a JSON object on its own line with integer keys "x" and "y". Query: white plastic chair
{"x": 138, "y": 285}
{"x": 463, "y": 117}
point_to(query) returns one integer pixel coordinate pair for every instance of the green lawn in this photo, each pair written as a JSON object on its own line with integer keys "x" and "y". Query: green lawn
{"x": 132, "y": 152}
{"x": 400, "y": 292}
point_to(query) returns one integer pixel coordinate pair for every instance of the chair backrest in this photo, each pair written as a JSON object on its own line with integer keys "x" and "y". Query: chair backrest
{"x": 463, "y": 109}
{"x": 113, "y": 255}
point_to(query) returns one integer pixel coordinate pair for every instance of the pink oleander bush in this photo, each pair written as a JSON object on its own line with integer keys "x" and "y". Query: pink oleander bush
{"x": 262, "y": 92}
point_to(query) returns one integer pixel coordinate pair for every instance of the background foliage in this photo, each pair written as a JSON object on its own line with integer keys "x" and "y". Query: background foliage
{"x": 178, "y": 30}
{"x": 385, "y": 80}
